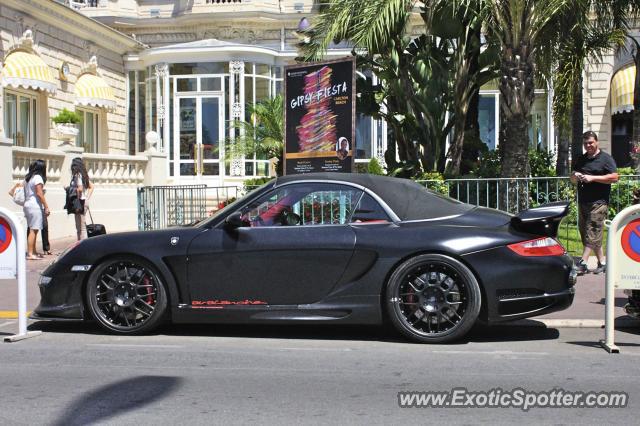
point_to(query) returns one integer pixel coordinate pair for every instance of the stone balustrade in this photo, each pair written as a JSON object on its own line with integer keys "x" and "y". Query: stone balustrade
{"x": 23, "y": 157}
{"x": 115, "y": 169}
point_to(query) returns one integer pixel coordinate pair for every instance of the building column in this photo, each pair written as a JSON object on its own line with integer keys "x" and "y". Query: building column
{"x": 6, "y": 160}
{"x": 156, "y": 171}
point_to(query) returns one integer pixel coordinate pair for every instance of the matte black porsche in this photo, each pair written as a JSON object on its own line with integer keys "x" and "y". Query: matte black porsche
{"x": 329, "y": 247}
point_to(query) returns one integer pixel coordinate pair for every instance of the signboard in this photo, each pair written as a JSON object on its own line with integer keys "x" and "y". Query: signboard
{"x": 626, "y": 257}
{"x": 320, "y": 117}
{"x": 13, "y": 265}
{"x": 8, "y": 250}
{"x": 623, "y": 266}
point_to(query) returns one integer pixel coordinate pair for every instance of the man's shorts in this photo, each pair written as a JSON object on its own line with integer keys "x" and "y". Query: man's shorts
{"x": 591, "y": 223}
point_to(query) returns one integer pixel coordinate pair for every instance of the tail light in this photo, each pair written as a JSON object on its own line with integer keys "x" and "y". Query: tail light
{"x": 538, "y": 247}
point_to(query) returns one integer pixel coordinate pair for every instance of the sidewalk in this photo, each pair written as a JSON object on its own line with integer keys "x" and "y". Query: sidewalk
{"x": 587, "y": 309}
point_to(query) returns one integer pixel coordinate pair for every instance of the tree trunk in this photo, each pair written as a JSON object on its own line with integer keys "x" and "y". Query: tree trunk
{"x": 564, "y": 141}
{"x": 455, "y": 150}
{"x": 577, "y": 123}
{"x": 516, "y": 99}
{"x": 466, "y": 87}
{"x": 516, "y": 147}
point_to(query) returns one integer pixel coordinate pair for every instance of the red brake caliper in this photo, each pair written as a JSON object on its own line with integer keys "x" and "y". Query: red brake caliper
{"x": 147, "y": 282}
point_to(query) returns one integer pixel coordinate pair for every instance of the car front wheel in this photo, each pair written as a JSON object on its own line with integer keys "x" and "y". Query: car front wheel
{"x": 126, "y": 296}
{"x": 433, "y": 298}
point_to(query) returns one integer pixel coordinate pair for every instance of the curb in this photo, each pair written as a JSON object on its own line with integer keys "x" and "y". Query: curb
{"x": 11, "y": 314}
{"x": 574, "y": 323}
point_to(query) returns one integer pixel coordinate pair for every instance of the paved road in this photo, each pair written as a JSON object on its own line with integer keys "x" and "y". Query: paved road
{"x": 72, "y": 374}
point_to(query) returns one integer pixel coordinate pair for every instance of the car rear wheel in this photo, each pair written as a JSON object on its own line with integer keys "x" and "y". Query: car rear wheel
{"x": 126, "y": 296}
{"x": 433, "y": 298}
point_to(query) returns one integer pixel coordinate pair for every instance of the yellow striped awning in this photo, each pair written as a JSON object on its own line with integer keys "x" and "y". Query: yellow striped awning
{"x": 94, "y": 91}
{"x": 622, "y": 85}
{"x": 27, "y": 70}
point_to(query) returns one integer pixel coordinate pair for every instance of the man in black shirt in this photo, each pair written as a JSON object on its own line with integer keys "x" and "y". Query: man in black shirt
{"x": 594, "y": 172}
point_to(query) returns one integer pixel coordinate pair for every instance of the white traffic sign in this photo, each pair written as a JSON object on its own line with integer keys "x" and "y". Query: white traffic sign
{"x": 13, "y": 265}
{"x": 628, "y": 261}
{"x": 623, "y": 265}
{"x": 8, "y": 250}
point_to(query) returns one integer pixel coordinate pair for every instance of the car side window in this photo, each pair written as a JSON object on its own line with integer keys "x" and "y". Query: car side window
{"x": 369, "y": 210}
{"x": 303, "y": 204}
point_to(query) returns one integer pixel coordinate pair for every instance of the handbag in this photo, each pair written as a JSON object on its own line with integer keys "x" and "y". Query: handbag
{"x": 73, "y": 204}
{"x": 18, "y": 196}
{"x": 95, "y": 229}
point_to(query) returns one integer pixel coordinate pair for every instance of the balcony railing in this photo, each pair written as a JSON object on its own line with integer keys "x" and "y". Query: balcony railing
{"x": 80, "y": 4}
{"x": 115, "y": 169}
{"x": 23, "y": 157}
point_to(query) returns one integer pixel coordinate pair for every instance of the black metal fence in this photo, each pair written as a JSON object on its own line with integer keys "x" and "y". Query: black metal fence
{"x": 164, "y": 206}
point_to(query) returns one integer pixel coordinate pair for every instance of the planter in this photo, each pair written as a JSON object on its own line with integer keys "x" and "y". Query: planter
{"x": 67, "y": 131}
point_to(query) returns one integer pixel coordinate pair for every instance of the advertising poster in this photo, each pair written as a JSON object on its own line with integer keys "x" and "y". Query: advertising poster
{"x": 320, "y": 117}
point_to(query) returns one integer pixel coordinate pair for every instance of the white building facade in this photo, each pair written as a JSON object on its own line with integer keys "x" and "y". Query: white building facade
{"x": 185, "y": 70}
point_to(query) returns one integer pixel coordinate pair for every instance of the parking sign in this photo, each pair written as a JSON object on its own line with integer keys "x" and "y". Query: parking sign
{"x": 626, "y": 252}
{"x": 8, "y": 251}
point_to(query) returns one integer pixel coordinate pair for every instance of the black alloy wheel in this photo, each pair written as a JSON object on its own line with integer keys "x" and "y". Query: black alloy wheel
{"x": 433, "y": 298}
{"x": 126, "y": 296}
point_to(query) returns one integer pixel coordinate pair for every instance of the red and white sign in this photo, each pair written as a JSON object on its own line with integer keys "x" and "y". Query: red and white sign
{"x": 623, "y": 249}
{"x": 630, "y": 240}
{"x": 8, "y": 251}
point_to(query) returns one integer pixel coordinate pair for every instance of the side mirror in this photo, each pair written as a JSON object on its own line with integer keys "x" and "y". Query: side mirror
{"x": 234, "y": 220}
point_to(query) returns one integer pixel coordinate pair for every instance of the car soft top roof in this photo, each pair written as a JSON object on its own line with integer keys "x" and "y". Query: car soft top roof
{"x": 408, "y": 199}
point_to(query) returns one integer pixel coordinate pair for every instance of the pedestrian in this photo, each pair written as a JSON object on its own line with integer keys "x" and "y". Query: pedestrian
{"x": 46, "y": 247}
{"x": 35, "y": 206}
{"x": 593, "y": 172}
{"x": 84, "y": 188}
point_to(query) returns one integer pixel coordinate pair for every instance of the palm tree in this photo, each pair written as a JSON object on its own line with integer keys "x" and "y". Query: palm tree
{"x": 424, "y": 78}
{"x": 461, "y": 22}
{"x": 263, "y": 133}
{"x": 520, "y": 28}
{"x": 377, "y": 28}
{"x": 587, "y": 32}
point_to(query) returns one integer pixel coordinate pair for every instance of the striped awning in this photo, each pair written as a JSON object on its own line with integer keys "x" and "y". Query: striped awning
{"x": 622, "y": 85}
{"x": 27, "y": 70}
{"x": 92, "y": 90}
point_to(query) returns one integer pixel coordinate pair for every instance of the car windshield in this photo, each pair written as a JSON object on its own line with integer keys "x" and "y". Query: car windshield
{"x": 231, "y": 206}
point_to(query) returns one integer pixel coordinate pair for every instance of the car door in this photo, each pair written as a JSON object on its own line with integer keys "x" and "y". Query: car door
{"x": 294, "y": 248}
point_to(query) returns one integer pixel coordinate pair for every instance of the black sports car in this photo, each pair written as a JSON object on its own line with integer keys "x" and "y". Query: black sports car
{"x": 327, "y": 247}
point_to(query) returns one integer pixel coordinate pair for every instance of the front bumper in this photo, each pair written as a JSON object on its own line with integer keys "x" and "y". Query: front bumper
{"x": 61, "y": 297}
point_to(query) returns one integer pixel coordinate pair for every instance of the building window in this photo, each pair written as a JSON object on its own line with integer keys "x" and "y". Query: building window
{"x": 487, "y": 107}
{"x": 88, "y": 135}
{"x": 364, "y": 131}
{"x": 20, "y": 118}
{"x": 538, "y": 135}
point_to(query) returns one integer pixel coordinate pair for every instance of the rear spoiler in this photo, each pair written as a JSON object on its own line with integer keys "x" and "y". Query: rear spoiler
{"x": 543, "y": 220}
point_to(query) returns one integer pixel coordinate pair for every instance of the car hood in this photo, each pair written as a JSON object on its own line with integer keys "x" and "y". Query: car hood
{"x": 149, "y": 244}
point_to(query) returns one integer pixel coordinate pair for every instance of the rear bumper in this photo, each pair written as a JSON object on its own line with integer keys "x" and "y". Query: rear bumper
{"x": 528, "y": 306}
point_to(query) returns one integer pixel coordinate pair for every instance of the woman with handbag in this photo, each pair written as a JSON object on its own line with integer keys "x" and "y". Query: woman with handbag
{"x": 83, "y": 187}
{"x": 35, "y": 206}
